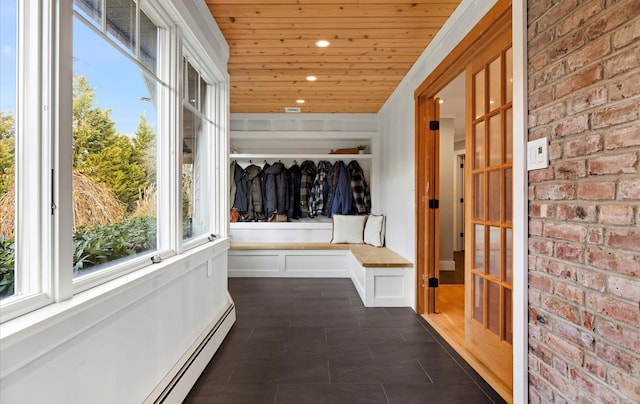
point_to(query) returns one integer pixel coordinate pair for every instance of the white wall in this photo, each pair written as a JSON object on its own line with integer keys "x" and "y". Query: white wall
{"x": 397, "y": 129}
{"x": 447, "y": 194}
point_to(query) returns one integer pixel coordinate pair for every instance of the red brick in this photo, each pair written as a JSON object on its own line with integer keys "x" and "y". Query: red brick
{"x": 565, "y": 46}
{"x": 618, "y": 15}
{"x": 536, "y": 63}
{"x": 536, "y": 9}
{"x": 582, "y": 381}
{"x": 591, "y": 52}
{"x": 629, "y": 189}
{"x": 588, "y": 320}
{"x": 555, "y": 191}
{"x": 540, "y": 43}
{"x": 581, "y": 79}
{"x": 540, "y": 387}
{"x": 583, "y": 146}
{"x": 541, "y": 97}
{"x": 540, "y": 246}
{"x": 540, "y": 282}
{"x": 595, "y": 366}
{"x": 614, "y": 164}
{"x": 626, "y": 87}
{"x": 560, "y": 308}
{"x": 617, "y": 334}
{"x": 556, "y": 13}
{"x": 616, "y": 357}
{"x": 572, "y": 126}
{"x": 541, "y": 352}
{"x": 534, "y": 297}
{"x": 535, "y": 228}
{"x": 626, "y": 384}
{"x": 555, "y": 151}
{"x": 541, "y": 175}
{"x": 614, "y": 308}
{"x": 570, "y": 252}
{"x": 563, "y": 386}
{"x": 616, "y": 114}
{"x": 616, "y": 214}
{"x": 591, "y": 279}
{"x": 626, "y": 35}
{"x": 542, "y": 210}
{"x": 547, "y": 75}
{"x": 559, "y": 269}
{"x": 570, "y": 292}
{"x": 622, "y": 62}
{"x": 570, "y": 169}
{"x": 623, "y": 239}
{"x": 577, "y": 17}
{"x": 601, "y": 190}
{"x": 596, "y": 235}
{"x": 560, "y": 365}
{"x": 626, "y": 288}
{"x": 573, "y": 212}
{"x": 565, "y": 231}
{"x": 615, "y": 261}
{"x": 550, "y": 113}
{"x": 586, "y": 100}
{"x": 622, "y": 137}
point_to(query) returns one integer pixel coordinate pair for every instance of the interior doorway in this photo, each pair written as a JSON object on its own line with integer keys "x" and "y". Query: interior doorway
{"x": 475, "y": 316}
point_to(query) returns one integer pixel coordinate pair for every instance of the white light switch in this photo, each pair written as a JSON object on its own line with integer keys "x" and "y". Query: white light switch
{"x": 537, "y": 154}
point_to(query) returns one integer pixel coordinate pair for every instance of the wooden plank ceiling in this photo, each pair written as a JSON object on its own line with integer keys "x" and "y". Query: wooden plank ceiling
{"x": 373, "y": 43}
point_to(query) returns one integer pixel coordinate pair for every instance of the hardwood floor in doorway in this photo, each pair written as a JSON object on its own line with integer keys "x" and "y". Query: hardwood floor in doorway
{"x": 454, "y": 277}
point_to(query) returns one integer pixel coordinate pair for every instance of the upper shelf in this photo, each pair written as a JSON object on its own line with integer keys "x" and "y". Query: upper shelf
{"x": 299, "y": 156}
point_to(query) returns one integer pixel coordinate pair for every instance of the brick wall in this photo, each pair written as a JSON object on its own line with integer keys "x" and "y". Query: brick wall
{"x": 584, "y": 210}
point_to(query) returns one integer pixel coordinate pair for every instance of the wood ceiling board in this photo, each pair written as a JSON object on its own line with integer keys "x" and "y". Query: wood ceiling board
{"x": 373, "y": 44}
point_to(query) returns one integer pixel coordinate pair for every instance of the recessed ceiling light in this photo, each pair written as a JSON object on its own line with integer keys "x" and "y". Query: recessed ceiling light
{"x": 322, "y": 43}
{"x": 300, "y": 101}
{"x": 312, "y": 78}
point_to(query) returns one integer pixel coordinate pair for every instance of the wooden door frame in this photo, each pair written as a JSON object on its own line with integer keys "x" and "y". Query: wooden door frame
{"x": 489, "y": 27}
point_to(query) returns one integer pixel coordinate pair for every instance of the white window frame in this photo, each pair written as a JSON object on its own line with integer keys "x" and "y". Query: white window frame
{"x": 44, "y": 163}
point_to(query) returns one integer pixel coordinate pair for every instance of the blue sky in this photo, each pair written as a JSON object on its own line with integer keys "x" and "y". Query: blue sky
{"x": 118, "y": 82}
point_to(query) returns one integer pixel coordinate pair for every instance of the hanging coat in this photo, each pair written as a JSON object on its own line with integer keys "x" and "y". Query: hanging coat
{"x": 293, "y": 182}
{"x": 275, "y": 179}
{"x": 254, "y": 193}
{"x": 342, "y": 195}
{"x": 308, "y": 175}
{"x": 320, "y": 190}
{"x": 241, "y": 200}
{"x": 361, "y": 203}
{"x": 331, "y": 188}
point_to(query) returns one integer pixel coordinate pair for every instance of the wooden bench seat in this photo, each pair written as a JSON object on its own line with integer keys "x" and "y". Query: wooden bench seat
{"x": 381, "y": 276}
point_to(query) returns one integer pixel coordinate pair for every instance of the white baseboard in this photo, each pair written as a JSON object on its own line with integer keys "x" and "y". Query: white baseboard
{"x": 449, "y": 266}
{"x": 177, "y": 384}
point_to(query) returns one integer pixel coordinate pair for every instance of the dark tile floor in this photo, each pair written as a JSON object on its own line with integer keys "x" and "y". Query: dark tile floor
{"x": 312, "y": 341}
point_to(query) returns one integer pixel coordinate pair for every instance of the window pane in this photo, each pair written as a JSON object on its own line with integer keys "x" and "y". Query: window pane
{"x": 493, "y": 307}
{"x": 494, "y": 85}
{"x": 494, "y": 251}
{"x": 508, "y": 62}
{"x": 148, "y": 42}
{"x": 478, "y": 86}
{"x": 478, "y": 183}
{"x": 195, "y": 170}
{"x": 478, "y": 298}
{"x": 91, "y": 10}
{"x": 8, "y": 81}
{"x": 114, "y": 155}
{"x": 493, "y": 194}
{"x": 508, "y": 316}
{"x": 121, "y": 23}
{"x": 478, "y": 146}
{"x": 478, "y": 261}
{"x": 508, "y": 194}
{"x": 508, "y": 255}
{"x": 508, "y": 135}
{"x": 495, "y": 141}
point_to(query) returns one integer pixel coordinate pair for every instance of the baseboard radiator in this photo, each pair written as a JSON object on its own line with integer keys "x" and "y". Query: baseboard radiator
{"x": 175, "y": 387}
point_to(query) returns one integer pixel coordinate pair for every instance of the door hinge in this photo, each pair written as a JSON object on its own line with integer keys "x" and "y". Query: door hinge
{"x": 53, "y": 182}
{"x": 461, "y": 234}
{"x": 434, "y": 125}
{"x": 434, "y": 204}
{"x": 461, "y": 200}
{"x": 433, "y": 282}
{"x": 461, "y": 165}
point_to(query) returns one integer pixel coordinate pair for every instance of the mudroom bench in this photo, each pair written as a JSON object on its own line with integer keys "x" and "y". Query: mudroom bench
{"x": 381, "y": 276}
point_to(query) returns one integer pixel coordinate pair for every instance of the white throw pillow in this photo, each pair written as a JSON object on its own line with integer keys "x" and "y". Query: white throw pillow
{"x": 374, "y": 230}
{"x": 348, "y": 229}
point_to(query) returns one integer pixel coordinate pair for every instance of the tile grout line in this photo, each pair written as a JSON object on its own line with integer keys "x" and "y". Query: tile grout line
{"x": 385, "y": 393}
{"x": 424, "y": 370}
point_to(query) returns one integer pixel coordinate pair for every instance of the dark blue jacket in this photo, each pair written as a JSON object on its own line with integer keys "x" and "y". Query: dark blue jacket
{"x": 342, "y": 195}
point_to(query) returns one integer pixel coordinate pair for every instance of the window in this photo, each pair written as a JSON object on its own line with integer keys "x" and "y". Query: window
{"x": 114, "y": 135}
{"x": 8, "y": 64}
{"x": 196, "y": 128}
{"x": 92, "y": 181}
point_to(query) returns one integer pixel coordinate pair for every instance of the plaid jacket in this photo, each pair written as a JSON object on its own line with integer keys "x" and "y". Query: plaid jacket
{"x": 361, "y": 197}
{"x": 308, "y": 175}
{"x": 319, "y": 194}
